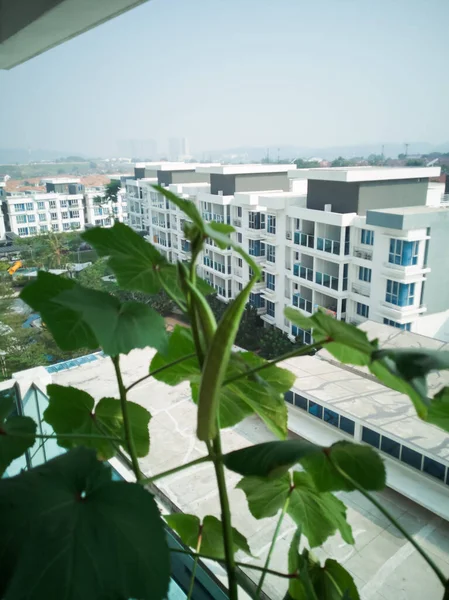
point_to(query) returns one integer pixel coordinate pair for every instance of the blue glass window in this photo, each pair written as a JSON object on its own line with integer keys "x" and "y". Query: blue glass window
{"x": 434, "y": 468}
{"x": 367, "y": 237}
{"x": 390, "y": 447}
{"x": 270, "y": 309}
{"x": 347, "y": 425}
{"x": 365, "y": 274}
{"x": 371, "y": 437}
{"x": 403, "y": 253}
{"x": 271, "y": 224}
{"x": 331, "y": 417}
{"x": 288, "y": 396}
{"x": 271, "y": 253}
{"x": 400, "y": 294}
{"x": 315, "y": 409}
{"x": 411, "y": 457}
{"x": 300, "y": 402}
{"x": 404, "y": 326}
{"x": 363, "y": 310}
{"x": 271, "y": 281}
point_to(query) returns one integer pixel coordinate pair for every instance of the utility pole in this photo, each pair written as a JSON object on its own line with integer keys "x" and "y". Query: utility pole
{"x": 406, "y": 149}
{"x": 382, "y": 153}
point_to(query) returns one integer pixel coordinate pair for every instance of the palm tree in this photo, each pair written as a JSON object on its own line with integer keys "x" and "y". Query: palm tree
{"x": 50, "y": 249}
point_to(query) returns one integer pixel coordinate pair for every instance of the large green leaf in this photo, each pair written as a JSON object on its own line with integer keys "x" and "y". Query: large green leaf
{"x": 189, "y": 528}
{"x": 438, "y": 413}
{"x": 136, "y": 263}
{"x": 187, "y": 206}
{"x": 269, "y": 458}
{"x": 71, "y": 411}
{"x": 119, "y": 327}
{"x": 17, "y": 434}
{"x": 362, "y": 463}
{"x": 333, "y": 582}
{"x": 413, "y": 363}
{"x": 69, "y": 531}
{"x": 318, "y": 515}
{"x": 272, "y": 459}
{"x": 69, "y": 330}
{"x": 180, "y": 344}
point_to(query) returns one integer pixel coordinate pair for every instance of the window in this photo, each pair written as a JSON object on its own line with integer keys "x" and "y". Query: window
{"x": 31, "y": 218}
{"x": 239, "y": 238}
{"x": 331, "y": 417}
{"x": 98, "y": 211}
{"x": 42, "y": 216}
{"x": 55, "y": 227}
{"x": 300, "y": 402}
{"x": 256, "y": 220}
{"x": 239, "y": 211}
{"x": 66, "y": 226}
{"x": 270, "y": 309}
{"x": 403, "y": 253}
{"x": 411, "y": 457}
{"x": 288, "y": 396}
{"x": 316, "y": 410}
{"x": 240, "y": 286}
{"x": 63, "y": 203}
{"x": 365, "y": 274}
{"x": 363, "y": 310}
{"x": 271, "y": 281}
{"x": 23, "y": 230}
{"x": 41, "y": 206}
{"x": 54, "y": 216}
{"x": 401, "y": 294}
{"x": 271, "y": 253}
{"x": 271, "y": 224}
{"x": 19, "y": 207}
{"x": 44, "y": 228}
{"x": 390, "y": 447}
{"x": 256, "y": 248}
{"x": 74, "y": 214}
{"x": 33, "y": 230}
{"x": 434, "y": 468}
{"x": 21, "y": 219}
{"x": 30, "y": 206}
{"x": 65, "y": 215}
{"x": 371, "y": 437}
{"x": 404, "y": 326}
{"x": 367, "y": 237}
{"x": 240, "y": 262}
{"x": 347, "y": 425}
{"x": 52, "y": 203}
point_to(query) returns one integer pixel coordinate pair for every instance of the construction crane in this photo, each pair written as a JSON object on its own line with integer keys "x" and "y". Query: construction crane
{"x": 15, "y": 267}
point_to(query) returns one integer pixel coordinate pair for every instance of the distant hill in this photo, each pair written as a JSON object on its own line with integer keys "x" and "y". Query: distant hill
{"x": 11, "y": 156}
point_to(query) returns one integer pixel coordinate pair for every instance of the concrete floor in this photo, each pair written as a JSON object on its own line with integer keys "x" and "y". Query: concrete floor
{"x": 384, "y": 565}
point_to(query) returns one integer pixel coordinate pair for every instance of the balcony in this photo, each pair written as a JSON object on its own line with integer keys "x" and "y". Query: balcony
{"x": 162, "y": 241}
{"x": 363, "y": 253}
{"x": 362, "y": 289}
{"x": 237, "y": 222}
{"x": 304, "y": 239}
{"x": 185, "y": 246}
{"x": 397, "y": 313}
{"x": 302, "y": 272}
{"x": 302, "y": 303}
{"x": 326, "y": 280}
{"x": 237, "y": 273}
{"x": 288, "y": 235}
{"x": 328, "y": 245}
{"x": 404, "y": 273}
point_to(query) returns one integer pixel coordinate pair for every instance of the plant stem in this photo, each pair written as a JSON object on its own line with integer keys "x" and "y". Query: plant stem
{"x": 237, "y": 564}
{"x": 195, "y": 564}
{"x": 156, "y": 371}
{"x": 54, "y": 436}
{"x": 273, "y": 543}
{"x": 270, "y": 363}
{"x": 398, "y": 526}
{"x": 177, "y": 469}
{"x": 126, "y": 422}
{"x": 225, "y": 517}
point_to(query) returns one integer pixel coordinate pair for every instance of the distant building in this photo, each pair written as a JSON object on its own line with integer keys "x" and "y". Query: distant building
{"x": 178, "y": 149}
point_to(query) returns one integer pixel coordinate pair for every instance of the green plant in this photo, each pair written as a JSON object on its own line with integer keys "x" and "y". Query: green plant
{"x": 68, "y": 530}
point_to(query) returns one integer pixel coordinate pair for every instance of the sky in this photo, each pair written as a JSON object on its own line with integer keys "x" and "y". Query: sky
{"x": 230, "y": 73}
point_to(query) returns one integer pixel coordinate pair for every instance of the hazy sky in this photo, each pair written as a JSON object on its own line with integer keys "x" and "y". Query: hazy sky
{"x": 225, "y": 73}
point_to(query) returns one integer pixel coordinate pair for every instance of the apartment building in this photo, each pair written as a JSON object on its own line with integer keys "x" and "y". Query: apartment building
{"x": 99, "y": 212}
{"x": 362, "y": 242}
{"x": 59, "y": 209}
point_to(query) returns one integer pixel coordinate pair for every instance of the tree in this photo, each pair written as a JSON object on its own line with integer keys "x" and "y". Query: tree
{"x": 307, "y": 164}
{"x": 111, "y": 190}
{"x": 342, "y": 162}
{"x": 160, "y": 302}
{"x": 92, "y": 277}
{"x": 415, "y": 162}
{"x": 274, "y": 342}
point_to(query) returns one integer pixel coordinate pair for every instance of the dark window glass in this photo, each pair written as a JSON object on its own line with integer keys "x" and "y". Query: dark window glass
{"x": 411, "y": 457}
{"x": 371, "y": 437}
{"x": 300, "y": 402}
{"x": 347, "y": 425}
{"x": 390, "y": 447}
{"x": 289, "y": 397}
{"x": 434, "y": 468}
{"x": 315, "y": 409}
{"x": 331, "y": 417}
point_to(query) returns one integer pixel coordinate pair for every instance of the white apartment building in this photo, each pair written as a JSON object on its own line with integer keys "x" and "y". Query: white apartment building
{"x": 362, "y": 243}
{"x": 104, "y": 213}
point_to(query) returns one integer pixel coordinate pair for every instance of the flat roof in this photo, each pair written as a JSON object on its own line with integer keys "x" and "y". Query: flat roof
{"x": 411, "y": 210}
{"x": 382, "y": 562}
{"x": 61, "y": 180}
{"x": 243, "y": 169}
{"x": 173, "y": 166}
{"x": 363, "y": 174}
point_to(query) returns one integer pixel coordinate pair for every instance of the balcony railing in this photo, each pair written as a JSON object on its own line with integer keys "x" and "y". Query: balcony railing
{"x": 303, "y": 272}
{"x": 328, "y": 245}
{"x": 237, "y": 222}
{"x": 302, "y": 303}
{"x": 162, "y": 242}
{"x": 304, "y": 239}
{"x": 288, "y": 235}
{"x": 362, "y": 289}
{"x": 326, "y": 280}
{"x": 362, "y": 253}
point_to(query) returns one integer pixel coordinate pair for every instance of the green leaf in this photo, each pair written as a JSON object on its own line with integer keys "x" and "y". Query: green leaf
{"x": 68, "y": 329}
{"x": 413, "y": 363}
{"x": 69, "y": 531}
{"x": 71, "y": 411}
{"x": 438, "y": 413}
{"x": 333, "y": 582}
{"x": 362, "y": 463}
{"x": 118, "y": 327}
{"x": 296, "y": 589}
{"x": 298, "y": 318}
{"x": 216, "y": 363}
{"x": 318, "y": 515}
{"x": 17, "y": 434}
{"x": 180, "y": 344}
{"x": 265, "y": 497}
{"x": 219, "y": 232}
{"x": 270, "y": 458}
{"x": 189, "y": 528}
{"x": 136, "y": 263}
